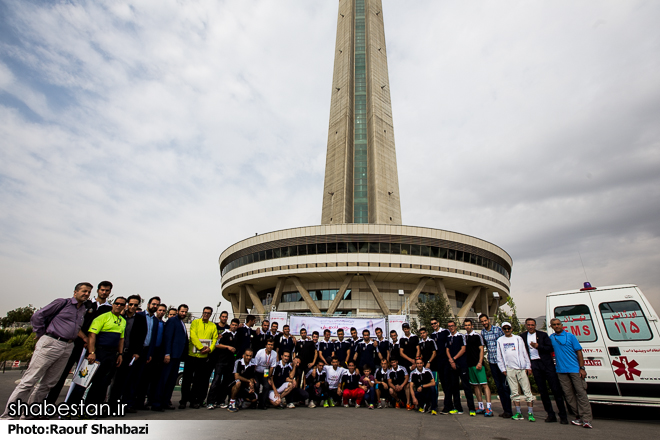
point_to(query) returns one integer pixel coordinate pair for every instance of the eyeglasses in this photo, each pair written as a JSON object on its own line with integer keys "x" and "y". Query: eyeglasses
{"x": 119, "y": 304}
{"x": 506, "y": 328}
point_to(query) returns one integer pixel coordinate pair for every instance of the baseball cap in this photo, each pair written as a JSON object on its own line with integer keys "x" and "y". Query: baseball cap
{"x": 405, "y": 325}
{"x": 504, "y": 324}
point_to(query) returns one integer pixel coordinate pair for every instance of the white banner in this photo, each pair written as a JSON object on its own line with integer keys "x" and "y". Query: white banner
{"x": 394, "y": 322}
{"x": 312, "y": 323}
{"x": 279, "y": 318}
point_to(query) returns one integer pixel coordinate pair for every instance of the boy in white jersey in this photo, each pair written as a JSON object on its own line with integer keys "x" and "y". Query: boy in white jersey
{"x": 334, "y": 375}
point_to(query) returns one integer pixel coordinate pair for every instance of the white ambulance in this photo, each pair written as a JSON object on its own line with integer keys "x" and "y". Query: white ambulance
{"x": 620, "y": 337}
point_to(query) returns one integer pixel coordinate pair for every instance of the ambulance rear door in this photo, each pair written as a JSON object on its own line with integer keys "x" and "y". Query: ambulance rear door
{"x": 576, "y": 310}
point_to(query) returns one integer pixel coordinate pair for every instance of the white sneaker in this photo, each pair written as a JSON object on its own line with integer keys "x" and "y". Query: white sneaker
{"x": 357, "y": 405}
{"x": 210, "y": 406}
{"x": 345, "y": 405}
{"x": 311, "y": 404}
{"x": 224, "y": 405}
{"x": 291, "y": 405}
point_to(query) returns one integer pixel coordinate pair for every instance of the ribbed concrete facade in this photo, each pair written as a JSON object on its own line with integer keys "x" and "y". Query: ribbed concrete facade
{"x": 361, "y": 179}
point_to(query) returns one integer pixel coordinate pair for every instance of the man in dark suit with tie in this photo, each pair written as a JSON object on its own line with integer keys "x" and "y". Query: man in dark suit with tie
{"x": 539, "y": 348}
{"x": 175, "y": 341}
{"x": 94, "y": 308}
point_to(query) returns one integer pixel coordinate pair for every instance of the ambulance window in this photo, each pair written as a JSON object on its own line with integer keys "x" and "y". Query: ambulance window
{"x": 577, "y": 320}
{"x": 625, "y": 321}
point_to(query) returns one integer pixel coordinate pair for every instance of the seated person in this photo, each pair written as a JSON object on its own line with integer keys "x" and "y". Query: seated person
{"x": 422, "y": 388}
{"x": 384, "y": 393}
{"x": 317, "y": 385}
{"x": 398, "y": 383}
{"x": 368, "y": 384}
{"x": 244, "y": 385}
{"x": 351, "y": 386}
{"x": 334, "y": 374}
{"x": 281, "y": 381}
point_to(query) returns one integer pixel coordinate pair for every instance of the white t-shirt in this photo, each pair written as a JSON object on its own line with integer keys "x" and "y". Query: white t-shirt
{"x": 533, "y": 352}
{"x": 264, "y": 360}
{"x": 334, "y": 376}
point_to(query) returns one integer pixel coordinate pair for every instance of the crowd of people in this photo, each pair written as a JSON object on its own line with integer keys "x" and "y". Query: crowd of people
{"x": 139, "y": 353}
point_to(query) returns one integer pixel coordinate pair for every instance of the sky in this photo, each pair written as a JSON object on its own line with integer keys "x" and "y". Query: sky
{"x": 138, "y": 140}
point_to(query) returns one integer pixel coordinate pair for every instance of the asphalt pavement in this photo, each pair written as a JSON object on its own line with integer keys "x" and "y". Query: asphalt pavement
{"x": 611, "y": 422}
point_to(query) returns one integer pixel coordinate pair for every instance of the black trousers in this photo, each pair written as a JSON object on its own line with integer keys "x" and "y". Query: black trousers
{"x": 166, "y": 384}
{"x": 428, "y": 396}
{"x": 196, "y": 373}
{"x": 223, "y": 377}
{"x": 317, "y": 394}
{"x": 134, "y": 377}
{"x": 443, "y": 377}
{"x": 54, "y": 392}
{"x": 301, "y": 372}
{"x": 265, "y": 389}
{"x": 502, "y": 385}
{"x": 107, "y": 357}
{"x": 150, "y": 377}
{"x": 461, "y": 373}
{"x": 547, "y": 376}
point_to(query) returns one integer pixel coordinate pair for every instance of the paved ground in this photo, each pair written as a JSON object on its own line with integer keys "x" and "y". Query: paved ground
{"x": 351, "y": 423}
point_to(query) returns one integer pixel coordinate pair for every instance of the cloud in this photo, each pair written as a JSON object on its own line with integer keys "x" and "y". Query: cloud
{"x": 141, "y": 139}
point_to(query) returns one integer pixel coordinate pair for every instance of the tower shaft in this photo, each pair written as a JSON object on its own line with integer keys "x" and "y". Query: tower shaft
{"x": 361, "y": 179}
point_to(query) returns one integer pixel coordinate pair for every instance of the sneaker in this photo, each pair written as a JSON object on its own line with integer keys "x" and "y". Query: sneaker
{"x": 380, "y": 405}
{"x": 531, "y": 418}
{"x": 224, "y": 405}
{"x": 345, "y": 405}
{"x": 587, "y": 425}
{"x": 410, "y": 407}
{"x": 563, "y": 421}
{"x": 232, "y": 408}
{"x": 444, "y": 411}
{"x": 326, "y": 404}
{"x": 371, "y": 406}
{"x": 291, "y": 405}
{"x": 488, "y": 413}
{"x": 398, "y": 405}
{"x": 473, "y": 413}
{"x": 210, "y": 406}
{"x": 357, "y": 405}
{"x": 421, "y": 409}
{"x": 460, "y": 411}
{"x": 454, "y": 412}
{"x": 481, "y": 411}
{"x": 577, "y": 422}
{"x": 312, "y": 404}
{"x": 518, "y": 416}
{"x": 434, "y": 412}
{"x": 331, "y": 403}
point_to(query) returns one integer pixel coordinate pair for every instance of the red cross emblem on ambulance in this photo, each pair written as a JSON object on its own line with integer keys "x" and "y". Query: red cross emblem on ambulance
{"x": 627, "y": 367}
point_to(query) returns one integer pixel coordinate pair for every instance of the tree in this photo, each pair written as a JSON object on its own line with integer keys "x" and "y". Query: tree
{"x": 437, "y": 308}
{"x": 21, "y": 314}
{"x": 511, "y": 317}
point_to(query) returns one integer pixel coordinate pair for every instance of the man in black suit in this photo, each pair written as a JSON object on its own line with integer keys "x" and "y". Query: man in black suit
{"x": 539, "y": 348}
{"x": 134, "y": 336}
{"x": 94, "y": 308}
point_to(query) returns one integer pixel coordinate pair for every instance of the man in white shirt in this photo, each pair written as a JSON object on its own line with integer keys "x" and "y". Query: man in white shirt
{"x": 334, "y": 373}
{"x": 266, "y": 360}
{"x": 513, "y": 362}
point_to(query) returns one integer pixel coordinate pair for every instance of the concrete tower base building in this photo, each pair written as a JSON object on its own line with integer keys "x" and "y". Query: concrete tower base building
{"x": 361, "y": 260}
